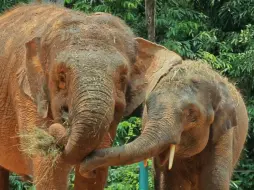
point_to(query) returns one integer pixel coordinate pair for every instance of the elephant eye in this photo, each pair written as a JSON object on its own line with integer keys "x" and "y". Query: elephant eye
{"x": 123, "y": 79}
{"x": 191, "y": 115}
{"x": 123, "y": 82}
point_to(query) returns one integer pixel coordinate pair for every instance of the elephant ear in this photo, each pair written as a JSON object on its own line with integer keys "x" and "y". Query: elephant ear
{"x": 153, "y": 61}
{"x": 225, "y": 112}
{"x": 32, "y": 78}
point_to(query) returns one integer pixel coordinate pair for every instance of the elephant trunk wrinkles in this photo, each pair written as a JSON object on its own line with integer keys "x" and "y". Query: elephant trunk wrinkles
{"x": 150, "y": 143}
{"x": 91, "y": 112}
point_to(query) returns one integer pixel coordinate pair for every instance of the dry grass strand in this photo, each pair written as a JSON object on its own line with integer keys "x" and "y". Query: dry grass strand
{"x": 36, "y": 141}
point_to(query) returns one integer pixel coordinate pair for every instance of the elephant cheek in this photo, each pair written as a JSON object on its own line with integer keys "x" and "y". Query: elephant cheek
{"x": 193, "y": 142}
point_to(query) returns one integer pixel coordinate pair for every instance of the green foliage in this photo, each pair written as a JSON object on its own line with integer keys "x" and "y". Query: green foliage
{"x": 127, "y": 177}
{"x": 71, "y": 180}
{"x": 127, "y": 131}
{"x": 132, "y": 11}
{"x": 123, "y": 178}
{"x": 244, "y": 178}
{"x": 7, "y": 4}
{"x": 17, "y": 184}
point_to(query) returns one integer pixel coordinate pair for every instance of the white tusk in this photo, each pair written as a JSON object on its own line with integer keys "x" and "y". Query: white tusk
{"x": 171, "y": 156}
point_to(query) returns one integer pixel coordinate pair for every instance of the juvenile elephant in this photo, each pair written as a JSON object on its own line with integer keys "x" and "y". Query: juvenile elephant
{"x": 194, "y": 113}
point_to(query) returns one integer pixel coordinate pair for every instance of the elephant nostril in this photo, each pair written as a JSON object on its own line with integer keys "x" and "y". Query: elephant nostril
{"x": 65, "y": 109}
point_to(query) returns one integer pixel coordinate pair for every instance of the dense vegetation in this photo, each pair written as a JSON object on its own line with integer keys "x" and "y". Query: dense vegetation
{"x": 218, "y": 31}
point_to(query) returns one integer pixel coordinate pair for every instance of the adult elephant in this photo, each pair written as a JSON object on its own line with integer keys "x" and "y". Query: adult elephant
{"x": 191, "y": 112}
{"x": 58, "y": 66}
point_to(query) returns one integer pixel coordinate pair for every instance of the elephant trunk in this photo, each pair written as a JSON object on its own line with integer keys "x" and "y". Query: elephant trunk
{"x": 91, "y": 112}
{"x": 150, "y": 143}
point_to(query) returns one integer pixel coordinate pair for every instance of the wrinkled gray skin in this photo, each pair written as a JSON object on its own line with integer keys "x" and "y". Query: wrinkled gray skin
{"x": 201, "y": 113}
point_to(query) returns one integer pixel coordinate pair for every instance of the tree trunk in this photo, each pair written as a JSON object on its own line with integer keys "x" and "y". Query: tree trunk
{"x": 150, "y": 8}
{"x": 59, "y": 2}
{"x": 4, "y": 179}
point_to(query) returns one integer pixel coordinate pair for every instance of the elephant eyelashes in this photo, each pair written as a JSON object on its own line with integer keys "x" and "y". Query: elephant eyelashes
{"x": 62, "y": 81}
{"x": 123, "y": 79}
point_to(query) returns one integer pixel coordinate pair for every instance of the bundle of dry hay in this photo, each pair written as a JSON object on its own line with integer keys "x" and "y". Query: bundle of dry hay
{"x": 36, "y": 141}
{"x": 43, "y": 141}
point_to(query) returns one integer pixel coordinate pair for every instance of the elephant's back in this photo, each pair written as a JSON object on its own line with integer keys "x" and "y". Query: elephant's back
{"x": 23, "y": 23}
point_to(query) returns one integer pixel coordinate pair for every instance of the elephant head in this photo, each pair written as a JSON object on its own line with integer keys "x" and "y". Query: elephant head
{"x": 190, "y": 106}
{"x": 78, "y": 71}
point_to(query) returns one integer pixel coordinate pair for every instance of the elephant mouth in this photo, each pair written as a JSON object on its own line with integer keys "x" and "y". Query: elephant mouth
{"x": 65, "y": 115}
{"x": 60, "y": 112}
{"x": 166, "y": 156}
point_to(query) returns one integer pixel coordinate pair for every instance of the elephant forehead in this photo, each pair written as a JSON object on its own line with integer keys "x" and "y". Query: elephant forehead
{"x": 92, "y": 59}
